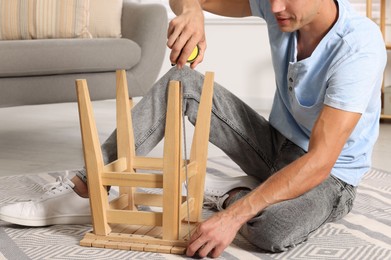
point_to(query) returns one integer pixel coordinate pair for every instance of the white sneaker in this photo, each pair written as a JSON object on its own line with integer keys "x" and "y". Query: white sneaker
{"x": 217, "y": 188}
{"x": 58, "y": 205}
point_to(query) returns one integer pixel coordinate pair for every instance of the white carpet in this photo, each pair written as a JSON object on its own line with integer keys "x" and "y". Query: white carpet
{"x": 364, "y": 234}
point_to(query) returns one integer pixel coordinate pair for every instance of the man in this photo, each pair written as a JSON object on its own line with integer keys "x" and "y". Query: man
{"x": 311, "y": 154}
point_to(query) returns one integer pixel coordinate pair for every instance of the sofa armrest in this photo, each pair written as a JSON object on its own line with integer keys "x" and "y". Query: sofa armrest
{"x": 146, "y": 24}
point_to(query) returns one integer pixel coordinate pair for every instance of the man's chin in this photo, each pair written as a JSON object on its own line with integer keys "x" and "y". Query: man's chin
{"x": 285, "y": 29}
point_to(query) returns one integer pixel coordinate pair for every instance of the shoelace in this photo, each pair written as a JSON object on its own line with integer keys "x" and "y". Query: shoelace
{"x": 214, "y": 202}
{"x": 62, "y": 183}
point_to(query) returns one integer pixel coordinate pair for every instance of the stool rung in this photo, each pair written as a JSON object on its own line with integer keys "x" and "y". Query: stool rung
{"x": 145, "y": 218}
{"x": 144, "y": 180}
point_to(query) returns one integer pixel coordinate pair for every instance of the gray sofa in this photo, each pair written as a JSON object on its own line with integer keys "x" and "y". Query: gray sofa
{"x": 44, "y": 71}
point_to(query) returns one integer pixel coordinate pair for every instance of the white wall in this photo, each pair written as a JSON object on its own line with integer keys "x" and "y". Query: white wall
{"x": 238, "y": 52}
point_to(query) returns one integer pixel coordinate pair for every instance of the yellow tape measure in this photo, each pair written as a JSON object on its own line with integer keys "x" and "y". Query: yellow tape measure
{"x": 194, "y": 54}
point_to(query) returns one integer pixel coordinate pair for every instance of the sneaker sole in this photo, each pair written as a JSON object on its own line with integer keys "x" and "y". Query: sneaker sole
{"x": 65, "y": 220}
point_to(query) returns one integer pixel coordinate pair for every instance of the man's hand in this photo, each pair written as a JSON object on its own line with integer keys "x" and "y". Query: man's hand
{"x": 185, "y": 32}
{"x": 212, "y": 236}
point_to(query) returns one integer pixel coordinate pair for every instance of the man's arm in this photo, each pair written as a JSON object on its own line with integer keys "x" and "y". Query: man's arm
{"x": 187, "y": 29}
{"x": 329, "y": 135}
{"x": 230, "y": 8}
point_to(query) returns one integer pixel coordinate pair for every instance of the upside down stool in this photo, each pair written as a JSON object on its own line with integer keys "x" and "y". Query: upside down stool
{"x": 129, "y": 222}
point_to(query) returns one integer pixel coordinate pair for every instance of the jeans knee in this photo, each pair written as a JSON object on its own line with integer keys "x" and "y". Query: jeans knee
{"x": 269, "y": 234}
{"x": 269, "y": 242}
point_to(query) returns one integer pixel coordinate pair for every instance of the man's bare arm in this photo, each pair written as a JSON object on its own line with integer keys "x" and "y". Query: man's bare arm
{"x": 230, "y": 8}
{"x": 329, "y": 135}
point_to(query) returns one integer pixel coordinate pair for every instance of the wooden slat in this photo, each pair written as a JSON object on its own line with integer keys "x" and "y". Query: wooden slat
{"x": 144, "y": 163}
{"x": 134, "y": 217}
{"x": 119, "y": 165}
{"x": 100, "y": 243}
{"x": 86, "y": 242}
{"x": 164, "y": 249}
{"x": 192, "y": 169}
{"x": 137, "y": 246}
{"x": 183, "y": 208}
{"x": 137, "y": 239}
{"x": 134, "y": 246}
{"x": 148, "y": 163}
{"x": 143, "y": 230}
{"x": 118, "y": 228}
{"x": 146, "y": 199}
{"x": 112, "y": 244}
{"x": 155, "y": 232}
{"x": 184, "y": 235}
{"x": 130, "y": 229}
{"x": 178, "y": 250}
{"x": 120, "y": 202}
{"x": 146, "y": 180}
{"x": 150, "y": 248}
{"x": 124, "y": 245}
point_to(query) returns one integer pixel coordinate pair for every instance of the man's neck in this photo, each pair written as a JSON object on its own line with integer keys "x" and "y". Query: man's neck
{"x": 311, "y": 34}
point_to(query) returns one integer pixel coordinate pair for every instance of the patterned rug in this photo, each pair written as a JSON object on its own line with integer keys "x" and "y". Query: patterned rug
{"x": 364, "y": 234}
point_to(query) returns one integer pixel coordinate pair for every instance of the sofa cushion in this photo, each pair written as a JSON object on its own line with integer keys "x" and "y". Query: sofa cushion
{"x": 50, "y": 57}
{"x": 105, "y": 18}
{"x": 41, "y": 19}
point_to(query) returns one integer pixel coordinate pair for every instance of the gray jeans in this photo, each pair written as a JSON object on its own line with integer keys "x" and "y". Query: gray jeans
{"x": 252, "y": 143}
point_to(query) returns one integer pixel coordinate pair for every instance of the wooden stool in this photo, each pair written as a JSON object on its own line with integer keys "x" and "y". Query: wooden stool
{"x": 121, "y": 224}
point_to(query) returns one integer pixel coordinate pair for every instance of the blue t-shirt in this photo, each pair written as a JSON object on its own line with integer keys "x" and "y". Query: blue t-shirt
{"x": 345, "y": 71}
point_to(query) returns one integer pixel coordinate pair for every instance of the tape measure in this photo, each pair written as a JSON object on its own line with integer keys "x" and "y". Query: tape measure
{"x": 194, "y": 54}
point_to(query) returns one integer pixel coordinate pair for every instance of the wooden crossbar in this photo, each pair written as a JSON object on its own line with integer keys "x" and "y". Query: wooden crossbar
{"x": 122, "y": 223}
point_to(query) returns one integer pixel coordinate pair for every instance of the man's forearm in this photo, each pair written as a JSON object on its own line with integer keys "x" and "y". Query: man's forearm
{"x": 180, "y": 6}
{"x": 232, "y": 8}
{"x": 290, "y": 182}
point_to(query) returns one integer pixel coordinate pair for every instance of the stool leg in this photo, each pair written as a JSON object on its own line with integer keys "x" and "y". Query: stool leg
{"x": 93, "y": 159}
{"x": 171, "y": 164}
{"x": 199, "y": 149}
{"x": 125, "y": 137}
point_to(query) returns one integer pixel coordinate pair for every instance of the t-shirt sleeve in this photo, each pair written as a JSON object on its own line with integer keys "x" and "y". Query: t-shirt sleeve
{"x": 356, "y": 78}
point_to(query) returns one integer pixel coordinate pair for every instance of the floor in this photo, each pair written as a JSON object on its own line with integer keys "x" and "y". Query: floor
{"x": 41, "y": 138}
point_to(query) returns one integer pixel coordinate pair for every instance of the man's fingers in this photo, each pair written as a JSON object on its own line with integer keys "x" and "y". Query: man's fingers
{"x": 175, "y": 29}
{"x": 205, "y": 249}
{"x": 183, "y": 35}
{"x": 201, "y": 50}
{"x": 217, "y": 251}
{"x": 195, "y": 246}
